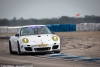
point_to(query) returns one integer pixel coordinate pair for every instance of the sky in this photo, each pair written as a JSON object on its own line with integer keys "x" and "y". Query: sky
{"x": 40, "y": 9}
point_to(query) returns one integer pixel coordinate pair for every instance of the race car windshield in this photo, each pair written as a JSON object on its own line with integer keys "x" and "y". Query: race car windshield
{"x": 33, "y": 30}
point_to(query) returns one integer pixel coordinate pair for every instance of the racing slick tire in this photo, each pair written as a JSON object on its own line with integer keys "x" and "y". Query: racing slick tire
{"x": 10, "y": 48}
{"x": 19, "y": 51}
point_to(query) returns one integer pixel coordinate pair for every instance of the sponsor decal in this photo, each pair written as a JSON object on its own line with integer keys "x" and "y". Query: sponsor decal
{"x": 42, "y": 45}
{"x": 31, "y": 27}
{"x": 21, "y": 46}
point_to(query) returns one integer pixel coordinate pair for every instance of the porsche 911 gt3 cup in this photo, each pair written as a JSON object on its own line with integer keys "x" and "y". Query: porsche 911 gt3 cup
{"x": 34, "y": 38}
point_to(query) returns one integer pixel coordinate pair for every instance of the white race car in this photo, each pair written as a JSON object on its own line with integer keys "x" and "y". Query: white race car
{"x": 34, "y": 38}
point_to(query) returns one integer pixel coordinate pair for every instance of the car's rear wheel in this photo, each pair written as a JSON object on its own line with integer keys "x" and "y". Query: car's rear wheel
{"x": 10, "y": 48}
{"x": 19, "y": 51}
{"x": 56, "y": 51}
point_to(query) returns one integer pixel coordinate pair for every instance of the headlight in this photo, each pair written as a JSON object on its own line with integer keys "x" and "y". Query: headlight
{"x": 55, "y": 38}
{"x": 25, "y": 40}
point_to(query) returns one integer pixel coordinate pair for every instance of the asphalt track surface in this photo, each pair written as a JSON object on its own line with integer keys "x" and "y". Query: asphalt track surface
{"x": 47, "y": 60}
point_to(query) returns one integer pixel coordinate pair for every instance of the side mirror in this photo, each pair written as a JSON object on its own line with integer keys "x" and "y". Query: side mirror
{"x": 17, "y": 35}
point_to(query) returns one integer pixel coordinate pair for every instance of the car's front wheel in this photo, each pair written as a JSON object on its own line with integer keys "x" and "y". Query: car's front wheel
{"x": 10, "y": 48}
{"x": 19, "y": 51}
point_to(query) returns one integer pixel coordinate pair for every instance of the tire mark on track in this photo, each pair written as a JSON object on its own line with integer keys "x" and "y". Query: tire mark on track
{"x": 37, "y": 61}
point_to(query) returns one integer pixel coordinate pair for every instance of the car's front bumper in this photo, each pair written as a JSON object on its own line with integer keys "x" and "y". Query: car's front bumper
{"x": 35, "y": 48}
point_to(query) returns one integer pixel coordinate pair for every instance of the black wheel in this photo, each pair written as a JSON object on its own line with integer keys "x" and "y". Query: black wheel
{"x": 56, "y": 51}
{"x": 19, "y": 51}
{"x": 10, "y": 48}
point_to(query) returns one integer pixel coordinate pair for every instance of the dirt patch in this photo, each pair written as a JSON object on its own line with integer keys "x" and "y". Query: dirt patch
{"x": 6, "y": 35}
{"x": 73, "y": 43}
{"x": 80, "y": 43}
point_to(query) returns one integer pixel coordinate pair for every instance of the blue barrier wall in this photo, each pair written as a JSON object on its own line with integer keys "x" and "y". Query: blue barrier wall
{"x": 50, "y": 27}
{"x": 62, "y": 27}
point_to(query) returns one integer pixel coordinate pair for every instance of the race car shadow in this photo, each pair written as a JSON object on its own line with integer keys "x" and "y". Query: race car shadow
{"x": 38, "y": 53}
{"x": 34, "y": 54}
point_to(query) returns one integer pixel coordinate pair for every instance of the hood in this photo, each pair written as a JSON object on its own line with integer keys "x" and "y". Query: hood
{"x": 39, "y": 38}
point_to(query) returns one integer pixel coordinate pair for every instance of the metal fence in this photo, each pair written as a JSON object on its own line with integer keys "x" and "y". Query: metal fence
{"x": 6, "y": 29}
{"x": 59, "y": 27}
{"x": 88, "y": 27}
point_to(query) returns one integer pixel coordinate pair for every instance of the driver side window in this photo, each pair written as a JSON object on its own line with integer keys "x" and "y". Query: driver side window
{"x": 23, "y": 31}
